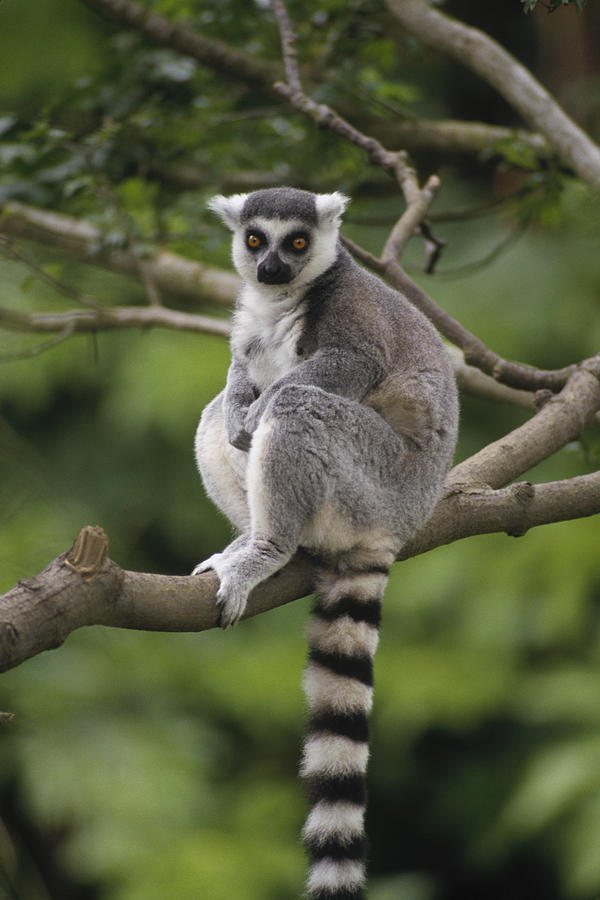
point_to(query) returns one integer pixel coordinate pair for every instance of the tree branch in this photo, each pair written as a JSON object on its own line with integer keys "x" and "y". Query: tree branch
{"x": 516, "y": 375}
{"x": 469, "y": 511}
{"x": 107, "y": 318}
{"x": 171, "y": 273}
{"x": 560, "y": 421}
{"x": 448, "y": 136}
{"x": 288, "y": 45}
{"x": 396, "y": 163}
{"x": 511, "y": 79}
{"x": 82, "y": 587}
{"x": 177, "y": 275}
{"x": 444, "y": 136}
{"x": 210, "y": 51}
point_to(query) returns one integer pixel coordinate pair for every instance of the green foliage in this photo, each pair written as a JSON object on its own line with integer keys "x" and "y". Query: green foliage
{"x": 145, "y": 765}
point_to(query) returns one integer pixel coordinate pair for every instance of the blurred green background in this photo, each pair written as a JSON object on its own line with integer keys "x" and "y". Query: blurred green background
{"x": 163, "y": 766}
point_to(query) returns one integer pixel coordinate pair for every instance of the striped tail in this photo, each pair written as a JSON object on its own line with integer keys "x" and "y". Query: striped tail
{"x": 342, "y": 638}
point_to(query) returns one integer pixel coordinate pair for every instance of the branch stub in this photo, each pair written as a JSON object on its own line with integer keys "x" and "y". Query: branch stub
{"x": 88, "y": 553}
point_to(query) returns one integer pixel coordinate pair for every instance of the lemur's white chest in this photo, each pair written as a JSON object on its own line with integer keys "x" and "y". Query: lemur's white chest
{"x": 266, "y": 332}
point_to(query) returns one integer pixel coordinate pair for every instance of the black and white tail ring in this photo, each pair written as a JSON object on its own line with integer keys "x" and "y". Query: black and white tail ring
{"x": 342, "y": 638}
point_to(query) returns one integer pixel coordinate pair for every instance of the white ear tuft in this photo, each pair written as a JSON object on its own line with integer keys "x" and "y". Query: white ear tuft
{"x": 330, "y": 207}
{"x": 228, "y": 209}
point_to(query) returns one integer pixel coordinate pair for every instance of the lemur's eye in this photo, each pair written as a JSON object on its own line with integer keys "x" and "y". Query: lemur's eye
{"x": 253, "y": 241}
{"x": 299, "y": 243}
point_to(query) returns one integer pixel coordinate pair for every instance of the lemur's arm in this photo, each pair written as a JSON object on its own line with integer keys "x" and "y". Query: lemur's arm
{"x": 240, "y": 393}
{"x": 347, "y": 372}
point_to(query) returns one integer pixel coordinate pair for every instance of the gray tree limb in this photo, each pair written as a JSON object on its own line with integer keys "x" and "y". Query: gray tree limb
{"x": 78, "y": 589}
{"x": 512, "y": 80}
{"x": 172, "y": 273}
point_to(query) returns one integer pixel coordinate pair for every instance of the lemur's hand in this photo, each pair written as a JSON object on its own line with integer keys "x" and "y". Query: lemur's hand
{"x": 236, "y": 430}
{"x": 254, "y": 414}
{"x": 241, "y": 439}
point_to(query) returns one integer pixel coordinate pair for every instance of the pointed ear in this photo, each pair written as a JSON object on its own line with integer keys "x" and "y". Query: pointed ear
{"x": 228, "y": 209}
{"x": 330, "y": 207}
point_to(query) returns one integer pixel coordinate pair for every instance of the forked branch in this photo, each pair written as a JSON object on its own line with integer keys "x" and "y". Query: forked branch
{"x": 82, "y": 587}
{"x": 396, "y": 163}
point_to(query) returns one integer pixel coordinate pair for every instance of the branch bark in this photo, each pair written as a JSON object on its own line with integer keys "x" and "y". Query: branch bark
{"x": 560, "y": 421}
{"x": 78, "y": 589}
{"x": 511, "y": 79}
{"x": 109, "y": 318}
{"x": 83, "y": 587}
{"x": 476, "y": 353}
{"x": 468, "y": 511}
{"x": 179, "y": 276}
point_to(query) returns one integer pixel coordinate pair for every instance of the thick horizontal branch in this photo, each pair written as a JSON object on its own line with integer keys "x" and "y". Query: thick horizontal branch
{"x": 83, "y": 587}
{"x": 172, "y": 274}
{"x": 512, "y": 80}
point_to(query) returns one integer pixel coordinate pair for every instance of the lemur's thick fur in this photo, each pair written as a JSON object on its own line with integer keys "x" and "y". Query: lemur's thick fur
{"x": 334, "y": 433}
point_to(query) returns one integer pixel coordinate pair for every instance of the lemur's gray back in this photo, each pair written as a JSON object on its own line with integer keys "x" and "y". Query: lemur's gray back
{"x": 412, "y": 378}
{"x": 335, "y": 432}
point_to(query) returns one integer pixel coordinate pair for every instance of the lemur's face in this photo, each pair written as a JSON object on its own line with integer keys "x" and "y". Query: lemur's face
{"x": 282, "y": 236}
{"x": 275, "y": 251}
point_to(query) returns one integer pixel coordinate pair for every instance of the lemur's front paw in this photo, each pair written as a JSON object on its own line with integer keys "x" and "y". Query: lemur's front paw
{"x": 211, "y": 563}
{"x": 254, "y": 414}
{"x": 231, "y": 602}
{"x": 241, "y": 440}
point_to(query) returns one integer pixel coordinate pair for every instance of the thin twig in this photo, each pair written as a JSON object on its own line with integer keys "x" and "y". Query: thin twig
{"x": 434, "y": 245}
{"x": 107, "y": 318}
{"x": 410, "y": 221}
{"x": 288, "y": 45}
{"x": 369, "y": 259}
{"x": 396, "y": 163}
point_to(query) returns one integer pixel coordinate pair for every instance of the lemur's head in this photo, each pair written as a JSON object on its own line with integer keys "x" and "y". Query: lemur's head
{"x": 282, "y": 235}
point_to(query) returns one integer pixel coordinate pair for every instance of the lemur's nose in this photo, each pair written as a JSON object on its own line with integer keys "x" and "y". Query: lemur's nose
{"x": 272, "y": 270}
{"x": 272, "y": 264}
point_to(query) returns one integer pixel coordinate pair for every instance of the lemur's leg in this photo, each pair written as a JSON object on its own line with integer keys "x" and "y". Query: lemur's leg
{"x": 321, "y": 470}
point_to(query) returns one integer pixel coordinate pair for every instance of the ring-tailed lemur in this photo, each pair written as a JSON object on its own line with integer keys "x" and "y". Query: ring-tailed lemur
{"x": 334, "y": 433}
